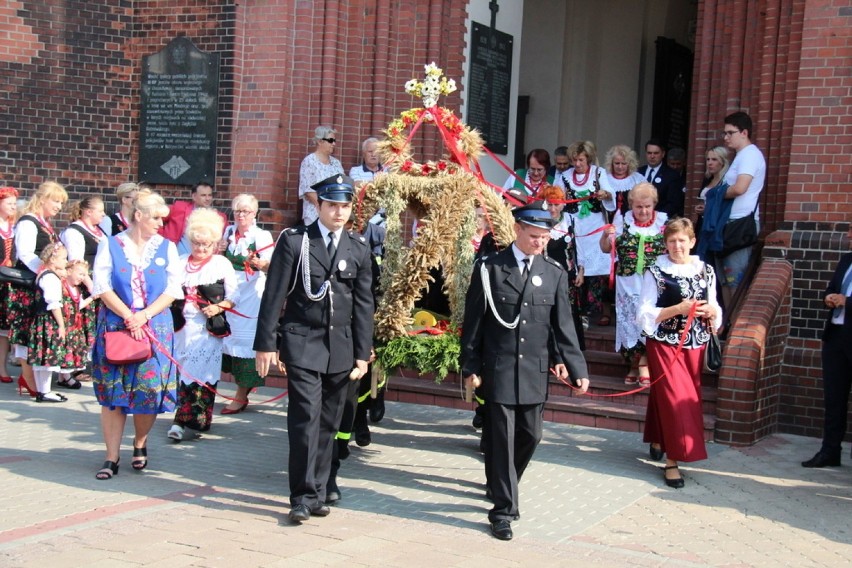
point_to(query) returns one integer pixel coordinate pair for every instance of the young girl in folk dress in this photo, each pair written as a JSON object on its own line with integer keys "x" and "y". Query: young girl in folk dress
{"x": 78, "y": 314}
{"x": 47, "y": 349}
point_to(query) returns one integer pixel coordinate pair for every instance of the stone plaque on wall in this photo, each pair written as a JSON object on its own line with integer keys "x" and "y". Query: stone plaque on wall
{"x": 490, "y": 83}
{"x": 179, "y": 114}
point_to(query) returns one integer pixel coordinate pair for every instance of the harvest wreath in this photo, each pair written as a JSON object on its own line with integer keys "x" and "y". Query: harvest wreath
{"x": 444, "y": 195}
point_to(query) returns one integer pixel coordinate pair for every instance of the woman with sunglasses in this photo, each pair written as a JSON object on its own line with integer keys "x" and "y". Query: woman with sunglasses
{"x": 317, "y": 166}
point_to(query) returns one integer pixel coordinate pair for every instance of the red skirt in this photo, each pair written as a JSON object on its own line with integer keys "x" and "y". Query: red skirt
{"x": 674, "y": 418}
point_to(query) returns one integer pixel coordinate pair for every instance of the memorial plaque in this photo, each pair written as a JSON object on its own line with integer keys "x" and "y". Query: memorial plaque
{"x": 179, "y": 114}
{"x": 490, "y": 83}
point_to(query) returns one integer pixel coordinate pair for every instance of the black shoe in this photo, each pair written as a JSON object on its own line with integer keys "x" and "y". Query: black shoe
{"x": 332, "y": 497}
{"x": 363, "y": 438}
{"x": 321, "y": 510}
{"x": 478, "y": 421}
{"x": 822, "y": 459}
{"x": 677, "y": 483}
{"x": 50, "y": 397}
{"x": 488, "y": 495}
{"x": 655, "y": 453}
{"x": 377, "y": 408}
{"x": 140, "y": 458}
{"x": 299, "y": 513}
{"x": 502, "y": 530}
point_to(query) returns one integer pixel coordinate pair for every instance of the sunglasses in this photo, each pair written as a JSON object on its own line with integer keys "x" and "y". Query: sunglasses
{"x": 330, "y": 140}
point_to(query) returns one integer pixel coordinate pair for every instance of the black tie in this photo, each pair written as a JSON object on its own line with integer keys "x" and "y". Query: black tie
{"x": 331, "y": 248}
{"x": 650, "y": 174}
{"x": 525, "y": 273}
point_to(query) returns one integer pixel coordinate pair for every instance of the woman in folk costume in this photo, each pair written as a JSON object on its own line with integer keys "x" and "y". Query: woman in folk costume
{"x": 249, "y": 248}
{"x": 33, "y": 232}
{"x": 590, "y": 183}
{"x": 209, "y": 287}
{"x": 638, "y": 242}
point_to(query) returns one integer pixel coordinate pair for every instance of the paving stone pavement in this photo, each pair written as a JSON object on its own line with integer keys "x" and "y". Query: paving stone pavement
{"x": 414, "y": 497}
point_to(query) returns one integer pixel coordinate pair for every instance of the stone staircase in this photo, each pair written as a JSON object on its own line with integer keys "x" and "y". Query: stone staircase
{"x": 607, "y": 370}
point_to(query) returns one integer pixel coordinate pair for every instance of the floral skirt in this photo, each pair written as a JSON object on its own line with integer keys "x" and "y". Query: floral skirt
{"x": 244, "y": 371}
{"x": 5, "y": 323}
{"x": 19, "y": 304}
{"x": 45, "y": 347}
{"x": 149, "y": 387}
{"x": 195, "y": 406}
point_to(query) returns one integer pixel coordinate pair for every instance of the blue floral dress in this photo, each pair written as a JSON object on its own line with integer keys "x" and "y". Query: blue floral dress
{"x": 149, "y": 387}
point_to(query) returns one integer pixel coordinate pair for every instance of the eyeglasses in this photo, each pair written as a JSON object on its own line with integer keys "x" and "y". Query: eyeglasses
{"x": 330, "y": 140}
{"x": 537, "y": 169}
{"x": 727, "y": 133}
{"x": 203, "y": 246}
{"x": 242, "y": 212}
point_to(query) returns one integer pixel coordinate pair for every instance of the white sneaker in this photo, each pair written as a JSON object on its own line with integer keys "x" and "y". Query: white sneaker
{"x": 176, "y": 433}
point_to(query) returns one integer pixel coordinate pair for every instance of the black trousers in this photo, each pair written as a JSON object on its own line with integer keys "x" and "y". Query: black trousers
{"x": 836, "y": 383}
{"x": 313, "y": 415}
{"x": 512, "y": 434}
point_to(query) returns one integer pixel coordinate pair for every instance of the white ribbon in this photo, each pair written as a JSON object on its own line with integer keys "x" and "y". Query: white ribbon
{"x": 486, "y": 289}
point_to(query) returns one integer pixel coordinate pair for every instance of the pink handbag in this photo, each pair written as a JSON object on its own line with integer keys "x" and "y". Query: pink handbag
{"x": 122, "y": 349}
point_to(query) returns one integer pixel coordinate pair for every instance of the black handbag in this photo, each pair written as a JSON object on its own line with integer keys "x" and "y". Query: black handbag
{"x": 713, "y": 352}
{"x": 19, "y": 277}
{"x": 739, "y": 234}
{"x": 712, "y": 349}
{"x": 214, "y": 293}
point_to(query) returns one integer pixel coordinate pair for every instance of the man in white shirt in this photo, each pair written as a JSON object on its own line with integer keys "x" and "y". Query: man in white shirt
{"x": 370, "y": 165}
{"x": 745, "y": 179}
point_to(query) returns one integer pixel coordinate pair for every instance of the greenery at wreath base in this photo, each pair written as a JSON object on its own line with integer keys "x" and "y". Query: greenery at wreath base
{"x": 438, "y": 354}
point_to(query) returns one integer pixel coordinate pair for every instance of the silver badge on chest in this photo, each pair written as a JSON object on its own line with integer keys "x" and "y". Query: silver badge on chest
{"x": 536, "y": 280}
{"x": 341, "y": 266}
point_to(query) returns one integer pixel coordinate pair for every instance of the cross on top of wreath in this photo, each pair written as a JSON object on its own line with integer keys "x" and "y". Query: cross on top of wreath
{"x": 443, "y": 194}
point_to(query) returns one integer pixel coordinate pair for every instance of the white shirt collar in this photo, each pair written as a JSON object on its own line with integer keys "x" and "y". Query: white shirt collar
{"x": 324, "y": 231}
{"x": 520, "y": 256}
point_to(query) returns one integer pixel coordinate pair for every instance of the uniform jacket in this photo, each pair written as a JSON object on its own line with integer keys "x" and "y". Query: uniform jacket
{"x": 311, "y": 337}
{"x": 834, "y": 288}
{"x": 669, "y": 189}
{"x": 515, "y": 363}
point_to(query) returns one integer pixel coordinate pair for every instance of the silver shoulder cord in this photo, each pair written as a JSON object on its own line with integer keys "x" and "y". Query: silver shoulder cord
{"x": 486, "y": 289}
{"x": 305, "y": 263}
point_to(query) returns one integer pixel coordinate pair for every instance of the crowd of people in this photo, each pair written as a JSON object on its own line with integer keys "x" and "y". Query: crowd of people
{"x": 195, "y": 298}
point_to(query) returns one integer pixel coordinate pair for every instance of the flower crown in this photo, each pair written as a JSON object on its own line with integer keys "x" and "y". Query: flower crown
{"x": 433, "y": 86}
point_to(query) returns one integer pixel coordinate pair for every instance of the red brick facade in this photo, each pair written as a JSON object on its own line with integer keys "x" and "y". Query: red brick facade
{"x": 787, "y": 63}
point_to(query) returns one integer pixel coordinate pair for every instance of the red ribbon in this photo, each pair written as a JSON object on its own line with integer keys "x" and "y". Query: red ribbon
{"x": 162, "y": 349}
{"x": 683, "y": 335}
{"x": 202, "y": 302}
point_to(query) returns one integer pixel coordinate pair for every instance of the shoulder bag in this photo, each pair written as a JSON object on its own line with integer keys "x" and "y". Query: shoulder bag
{"x": 122, "y": 349}
{"x": 19, "y": 277}
{"x": 713, "y": 349}
{"x": 739, "y": 234}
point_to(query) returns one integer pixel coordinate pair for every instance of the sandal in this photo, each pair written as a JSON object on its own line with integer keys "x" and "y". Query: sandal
{"x": 109, "y": 469}
{"x": 140, "y": 458}
{"x": 644, "y": 378}
{"x": 631, "y": 379}
{"x": 69, "y": 383}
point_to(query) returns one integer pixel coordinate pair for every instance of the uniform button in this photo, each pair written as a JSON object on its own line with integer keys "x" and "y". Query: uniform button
{"x": 526, "y": 304}
{"x": 330, "y": 327}
{"x": 503, "y": 299}
{"x": 524, "y": 322}
{"x": 521, "y": 356}
{"x": 522, "y": 340}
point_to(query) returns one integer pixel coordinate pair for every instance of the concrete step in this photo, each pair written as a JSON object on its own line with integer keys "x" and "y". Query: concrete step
{"x": 583, "y": 410}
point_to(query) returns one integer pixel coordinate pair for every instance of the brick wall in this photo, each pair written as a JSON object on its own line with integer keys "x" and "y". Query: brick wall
{"x": 748, "y": 391}
{"x": 342, "y": 64}
{"x": 66, "y": 104}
